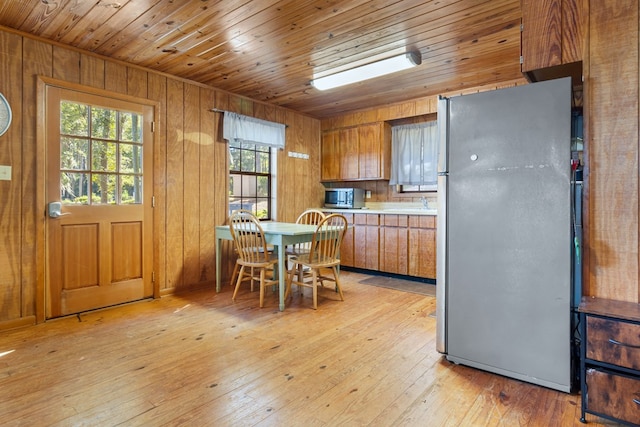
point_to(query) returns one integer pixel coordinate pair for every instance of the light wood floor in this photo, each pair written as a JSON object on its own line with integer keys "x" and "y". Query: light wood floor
{"x": 200, "y": 360}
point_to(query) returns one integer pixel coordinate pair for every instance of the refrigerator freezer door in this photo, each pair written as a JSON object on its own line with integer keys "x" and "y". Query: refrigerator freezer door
{"x": 508, "y": 232}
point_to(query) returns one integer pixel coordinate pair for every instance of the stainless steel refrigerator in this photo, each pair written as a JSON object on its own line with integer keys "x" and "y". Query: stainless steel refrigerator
{"x": 504, "y": 232}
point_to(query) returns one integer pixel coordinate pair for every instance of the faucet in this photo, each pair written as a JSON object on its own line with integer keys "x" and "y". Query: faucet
{"x": 425, "y": 202}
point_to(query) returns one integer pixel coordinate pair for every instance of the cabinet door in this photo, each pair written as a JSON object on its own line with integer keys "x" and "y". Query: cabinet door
{"x": 346, "y": 249}
{"x": 574, "y": 13}
{"x": 348, "y": 146}
{"x": 422, "y": 246}
{"x": 359, "y": 242}
{"x": 366, "y": 241}
{"x": 369, "y": 151}
{"x": 372, "y": 261}
{"x": 394, "y": 237}
{"x": 552, "y": 33}
{"x": 541, "y": 34}
{"x": 374, "y": 147}
{"x": 330, "y": 156}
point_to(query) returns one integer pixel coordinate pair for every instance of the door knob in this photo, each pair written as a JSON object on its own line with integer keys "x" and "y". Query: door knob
{"x": 55, "y": 210}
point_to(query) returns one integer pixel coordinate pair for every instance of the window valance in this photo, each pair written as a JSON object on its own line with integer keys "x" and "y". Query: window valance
{"x": 240, "y": 128}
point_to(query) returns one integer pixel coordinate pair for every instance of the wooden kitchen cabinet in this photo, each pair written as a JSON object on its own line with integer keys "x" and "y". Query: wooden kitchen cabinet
{"x": 356, "y": 153}
{"x": 391, "y": 243}
{"x": 330, "y": 153}
{"x": 349, "y": 157}
{"x": 610, "y": 359}
{"x": 374, "y": 149}
{"x": 422, "y": 246}
{"x": 394, "y": 247}
{"x": 552, "y": 33}
{"x": 366, "y": 241}
{"x": 346, "y": 249}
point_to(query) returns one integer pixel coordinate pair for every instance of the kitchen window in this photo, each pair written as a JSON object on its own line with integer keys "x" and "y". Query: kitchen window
{"x": 414, "y": 157}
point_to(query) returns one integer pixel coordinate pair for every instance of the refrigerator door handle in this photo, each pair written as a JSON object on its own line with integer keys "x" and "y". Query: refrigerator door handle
{"x": 441, "y": 234}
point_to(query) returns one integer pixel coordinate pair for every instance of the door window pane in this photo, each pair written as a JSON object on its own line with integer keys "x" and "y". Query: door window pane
{"x": 130, "y": 127}
{"x": 74, "y": 188}
{"x": 103, "y": 123}
{"x": 74, "y": 153}
{"x": 130, "y": 158}
{"x": 130, "y": 189}
{"x": 76, "y": 119}
{"x": 103, "y": 156}
{"x": 103, "y": 189}
{"x": 100, "y": 155}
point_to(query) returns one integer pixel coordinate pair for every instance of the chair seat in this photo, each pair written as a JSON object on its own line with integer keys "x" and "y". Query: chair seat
{"x": 315, "y": 261}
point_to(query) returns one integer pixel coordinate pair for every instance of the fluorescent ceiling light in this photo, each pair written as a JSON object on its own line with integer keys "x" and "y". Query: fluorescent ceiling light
{"x": 368, "y": 71}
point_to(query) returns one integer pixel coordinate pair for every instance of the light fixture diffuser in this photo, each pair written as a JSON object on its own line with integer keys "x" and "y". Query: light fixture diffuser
{"x": 368, "y": 71}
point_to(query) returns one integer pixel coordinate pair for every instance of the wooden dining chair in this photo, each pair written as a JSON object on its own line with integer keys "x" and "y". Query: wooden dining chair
{"x": 236, "y": 267}
{"x": 253, "y": 254}
{"x": 310, "y": 217}
{"x": 323, "y": 254}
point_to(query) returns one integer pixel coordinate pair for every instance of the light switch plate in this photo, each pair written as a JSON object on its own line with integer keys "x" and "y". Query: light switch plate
{"x": 5, "y": 173}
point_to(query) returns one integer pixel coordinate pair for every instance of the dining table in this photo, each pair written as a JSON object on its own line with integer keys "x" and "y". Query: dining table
{"x": 277, "y": 234}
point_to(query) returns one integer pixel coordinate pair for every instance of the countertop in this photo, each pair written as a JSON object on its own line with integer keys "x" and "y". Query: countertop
{"x": 389, "y": 209}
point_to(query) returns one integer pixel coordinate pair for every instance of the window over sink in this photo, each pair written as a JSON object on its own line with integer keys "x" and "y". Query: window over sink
{"x": 414, "y": 157}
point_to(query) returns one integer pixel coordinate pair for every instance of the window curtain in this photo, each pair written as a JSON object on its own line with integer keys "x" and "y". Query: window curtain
{"x": 414, "y": 154}
{"x": 239, "y": 128}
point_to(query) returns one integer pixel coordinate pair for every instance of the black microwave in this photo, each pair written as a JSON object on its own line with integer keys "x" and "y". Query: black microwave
{"x": 344, "y": 198}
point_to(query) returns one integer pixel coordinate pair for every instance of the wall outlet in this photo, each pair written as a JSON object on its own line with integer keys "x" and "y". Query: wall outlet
{"x": 5, "y": 173}
{"x": 367, "y": 194}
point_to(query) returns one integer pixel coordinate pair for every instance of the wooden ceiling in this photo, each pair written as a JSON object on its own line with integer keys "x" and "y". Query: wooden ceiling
{"x": 269, "y": 50}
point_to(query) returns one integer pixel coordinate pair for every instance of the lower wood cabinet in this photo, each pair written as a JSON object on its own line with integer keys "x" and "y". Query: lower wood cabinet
{"x": 422, "y": 246}
{"x": 366, "y": 241}
{"x": 346, "y": 250}
{"x": 394, "y": 244}
{"x": 610, "y": 359}
{"x": 398, "y": 244}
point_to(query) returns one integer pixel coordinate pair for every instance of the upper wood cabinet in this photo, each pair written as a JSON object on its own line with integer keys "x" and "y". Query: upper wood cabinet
{"x": 552, "y": 33}
{"x": 357, "y": 153}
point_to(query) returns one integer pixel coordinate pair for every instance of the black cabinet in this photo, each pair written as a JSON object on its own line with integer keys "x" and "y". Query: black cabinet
{"x": 610, "y": 359}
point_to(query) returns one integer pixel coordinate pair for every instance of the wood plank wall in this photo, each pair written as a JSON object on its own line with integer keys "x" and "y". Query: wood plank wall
{"x": 612, "y": 134}
{"x": 190, "y": 167}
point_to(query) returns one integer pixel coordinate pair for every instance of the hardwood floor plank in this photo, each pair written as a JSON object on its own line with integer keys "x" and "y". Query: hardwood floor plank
{"x": 200, "y": 359}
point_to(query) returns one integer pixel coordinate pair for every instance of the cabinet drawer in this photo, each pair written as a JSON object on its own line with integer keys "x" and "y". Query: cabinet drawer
{"x": 613, "y": 395}
{"x": 613, "y": 341}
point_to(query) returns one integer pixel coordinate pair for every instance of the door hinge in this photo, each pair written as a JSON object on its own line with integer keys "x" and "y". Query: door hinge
{"x": 153, "y": 277}
{"x": 521, "y": 59}
{"x": 153, "y": 126}
{"x": 521, "y": 27}
{"x": 153, "y": 201}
